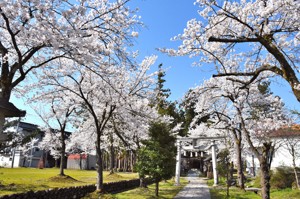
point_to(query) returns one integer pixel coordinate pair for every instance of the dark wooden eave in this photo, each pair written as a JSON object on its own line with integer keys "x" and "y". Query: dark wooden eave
{"x": 9, "y": 110}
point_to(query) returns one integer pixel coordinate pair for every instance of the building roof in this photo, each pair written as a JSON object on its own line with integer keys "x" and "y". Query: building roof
{"x": 77, "y": 156}
{"x": 28, "y": 126}
{"x": 286, "y": 131}
{"x": 10, "y": 110}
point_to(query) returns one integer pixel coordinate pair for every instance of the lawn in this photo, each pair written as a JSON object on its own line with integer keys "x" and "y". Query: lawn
{"x": 166, "y": 190}
{"x": 19, "y": 180}
{"x": 234, "y": 192}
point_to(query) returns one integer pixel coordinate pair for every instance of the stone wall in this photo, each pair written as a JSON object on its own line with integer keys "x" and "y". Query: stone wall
{"x": 77, "y": 191}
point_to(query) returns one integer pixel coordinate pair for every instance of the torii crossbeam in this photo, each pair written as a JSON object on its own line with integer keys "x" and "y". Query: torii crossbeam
{"x": 194, "y": 140}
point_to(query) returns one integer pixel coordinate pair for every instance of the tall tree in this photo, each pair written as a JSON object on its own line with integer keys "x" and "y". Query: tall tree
{"x": 232, "y": 105}
{"x": 57, "y": 119}
{"x": 157, "y": 157}
{"x": 113, "y": 88}
{"x": 164, "y": 106}
{"x": 36, "y": 33}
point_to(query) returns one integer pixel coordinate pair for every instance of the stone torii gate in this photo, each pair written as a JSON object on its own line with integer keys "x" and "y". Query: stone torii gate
{"x": 196, "y": 140}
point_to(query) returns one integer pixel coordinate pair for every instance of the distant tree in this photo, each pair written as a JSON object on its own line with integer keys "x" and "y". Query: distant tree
{"x": 188, "y": 108}
{"x": 57, "y": 119}
{"x": 157, "y": 157}
{"x": 223, "y": 167}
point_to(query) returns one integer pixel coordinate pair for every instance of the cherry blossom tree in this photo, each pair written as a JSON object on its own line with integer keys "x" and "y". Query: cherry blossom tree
{"x": 52, "y": 142}
{"x": 232, "y": 106}
{"x": 27, "y": 149}
{"x": 36, "y": 33}
{"x": 101, "y": 92}
{"x": 58, "y": 118}
{"x": 245, "y": 38}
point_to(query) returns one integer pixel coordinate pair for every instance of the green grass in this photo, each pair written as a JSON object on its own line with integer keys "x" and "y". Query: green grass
{"x": 222, "y": 182}
{"x": 287, "y": 193}
{"x": 234, "y": 192}
{"x": 166, "y": 190}
{"x": 19, "y": 180}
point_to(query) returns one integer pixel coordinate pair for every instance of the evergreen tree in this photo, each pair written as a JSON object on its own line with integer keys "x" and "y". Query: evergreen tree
{"x": 157, "y": 157}
{"x": 188, "y": 104}
{"x": 164, "y": 106}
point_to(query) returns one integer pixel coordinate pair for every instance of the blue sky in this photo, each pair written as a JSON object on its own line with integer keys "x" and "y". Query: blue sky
{"x": 164, "y": 20}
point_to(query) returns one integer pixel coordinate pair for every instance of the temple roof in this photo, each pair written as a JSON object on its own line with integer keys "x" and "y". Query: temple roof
{"x": 9, "y": 110}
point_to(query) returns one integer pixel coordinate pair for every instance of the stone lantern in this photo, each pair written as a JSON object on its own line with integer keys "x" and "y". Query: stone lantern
{"x": 7, "y": 109}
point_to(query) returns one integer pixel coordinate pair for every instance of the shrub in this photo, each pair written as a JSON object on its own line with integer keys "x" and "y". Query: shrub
{"x": 120, "y": 169}
{"x": 282, "y": 178}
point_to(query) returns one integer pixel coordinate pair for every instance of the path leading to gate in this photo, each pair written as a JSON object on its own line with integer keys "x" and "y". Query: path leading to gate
{"x": 196, "y": 189}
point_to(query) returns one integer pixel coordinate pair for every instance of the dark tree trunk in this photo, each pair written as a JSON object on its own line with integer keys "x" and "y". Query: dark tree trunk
{"x": 80, "y": 161}
{"x": 116, "y": 162}
{"x": 56, "y": 163}
{"x": 142, "y": 182}
{"x": 99, "y": 168}
{"x": 239, "y": 164}
{"x": 112, "y": 158}
{"x": 62, "y": 154}
{"x": 231, "y": 170}
{"x": 295, "y": 171}
{"x": 156, "y": 188}
{"x": 265, "y": 171}
{"x": 253, "y": 165}
{"x": 87, "y": 162}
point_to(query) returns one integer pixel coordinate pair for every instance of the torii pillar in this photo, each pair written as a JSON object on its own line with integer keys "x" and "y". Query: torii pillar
{"x": 178, "y": 164}
{"x": 214, "y": 163}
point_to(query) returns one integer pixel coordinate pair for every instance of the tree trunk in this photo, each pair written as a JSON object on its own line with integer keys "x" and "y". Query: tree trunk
{"x": 56, "y": 163}
{"x": 227, "y": 182}
{"x": 231, "y": 170}
{"x": 87, "y": 162}
{"x": 80, "y": 161}
{"x": 156, "y": 188}
{"x": 239, "y": 164}
{"x": 265, "y": 171}
{"x": 116, "y": 162}
{"x": 112, "y": 158}
{"x": 142, "y": 182}
{"x": 295, "y": 171}
{"x": 253, "y": 165}
{"x": 99, "y": 168}
{"x": 62, "y": 154}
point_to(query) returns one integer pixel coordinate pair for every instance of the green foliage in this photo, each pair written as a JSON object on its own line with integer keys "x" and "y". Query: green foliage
{"x": 282, "y": 178}
{"x": 164, "y": 106}
{"x": 224, "y": 163}
{"x": 157, "y": 157}
{"x": 256, "y": 181}
{"x": 189, "y": 113}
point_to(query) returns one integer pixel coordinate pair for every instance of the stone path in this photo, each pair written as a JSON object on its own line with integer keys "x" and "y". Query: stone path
{"x": 196, "y": 189}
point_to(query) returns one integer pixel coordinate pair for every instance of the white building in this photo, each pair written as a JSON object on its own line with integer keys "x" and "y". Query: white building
{"x": 281, "y": 156}
{"x": 15, "y": 157}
